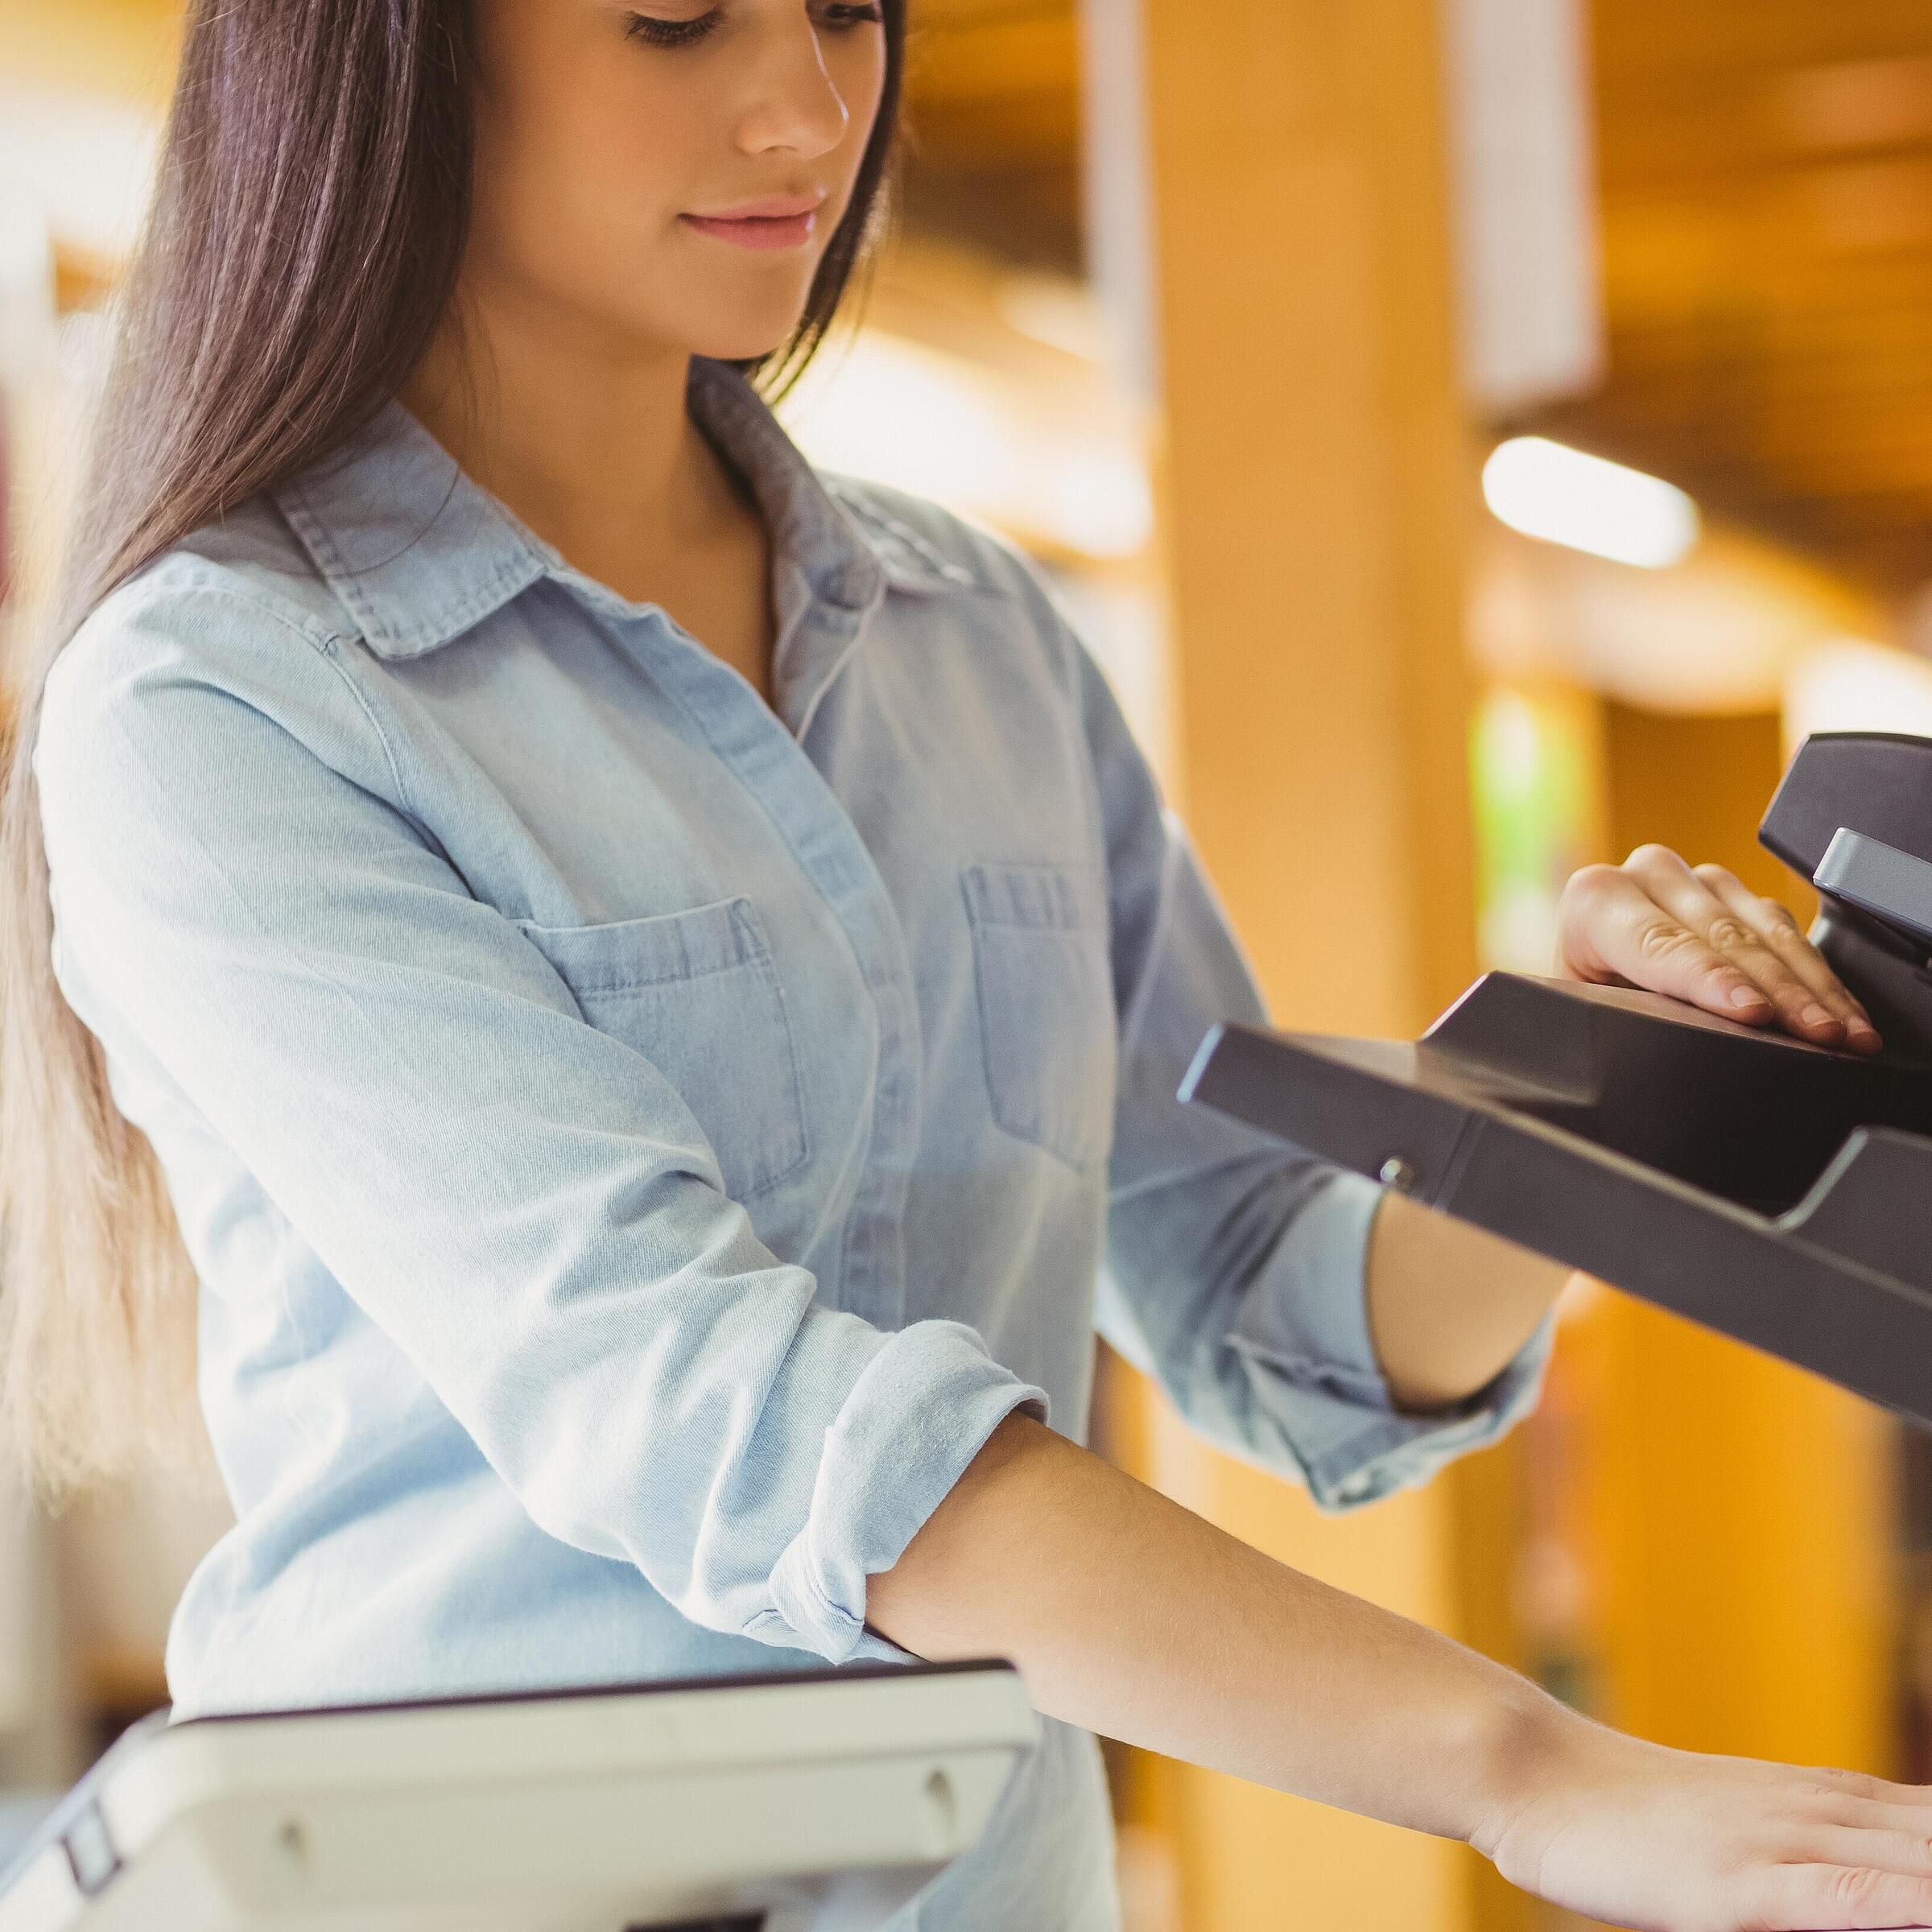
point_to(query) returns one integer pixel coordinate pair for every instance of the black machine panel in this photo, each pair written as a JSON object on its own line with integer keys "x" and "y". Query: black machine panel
{"x": 1777, "y": 1192}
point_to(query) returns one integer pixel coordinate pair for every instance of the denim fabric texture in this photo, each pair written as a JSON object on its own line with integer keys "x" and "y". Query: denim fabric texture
{"x": 637, "y": 1141}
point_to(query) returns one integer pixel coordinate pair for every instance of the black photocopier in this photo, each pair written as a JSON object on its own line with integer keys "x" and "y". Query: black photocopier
{"x": 1774, "y": 1190}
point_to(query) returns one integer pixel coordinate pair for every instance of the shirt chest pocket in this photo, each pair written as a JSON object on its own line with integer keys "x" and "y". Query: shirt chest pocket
{"x": 1045, "y": 1003}
{"x": 698, "y": 994}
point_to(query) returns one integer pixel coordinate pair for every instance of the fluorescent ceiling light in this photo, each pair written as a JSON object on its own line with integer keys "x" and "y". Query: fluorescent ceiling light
{"x": 1853, "y": 684}
{"x": 1561, "y": 495}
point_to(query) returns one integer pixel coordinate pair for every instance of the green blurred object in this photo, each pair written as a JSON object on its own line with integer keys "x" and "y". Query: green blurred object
{"x": 1530, "y": 782}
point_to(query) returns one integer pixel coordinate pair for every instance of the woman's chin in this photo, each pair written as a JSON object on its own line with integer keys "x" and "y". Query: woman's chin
{"x": 746, "y": 321}
{"x": 738, "y": 343}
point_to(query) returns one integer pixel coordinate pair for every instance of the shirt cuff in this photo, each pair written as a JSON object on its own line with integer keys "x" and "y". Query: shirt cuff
{"x": 1305, "y": 1329}
{"x": 918, "y": 1414}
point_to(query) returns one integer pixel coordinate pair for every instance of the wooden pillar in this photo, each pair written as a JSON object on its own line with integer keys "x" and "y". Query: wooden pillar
{"x": 1740, "y": 1510}
{"x": 1315, "y": 472}
{"x": 1289, "y": 285}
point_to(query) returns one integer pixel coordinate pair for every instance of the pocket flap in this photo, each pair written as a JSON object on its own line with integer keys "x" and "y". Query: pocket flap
{"x": 1037, "y": 894}
{"x": 648, "y": 951}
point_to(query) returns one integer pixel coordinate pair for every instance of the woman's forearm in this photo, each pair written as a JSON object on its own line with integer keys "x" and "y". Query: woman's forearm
{"x": 1130, "y": 1616}
{"x": 1449, "y": 1306}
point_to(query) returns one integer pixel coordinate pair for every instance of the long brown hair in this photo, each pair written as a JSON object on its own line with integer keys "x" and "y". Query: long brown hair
{"x": 302, "y": 248}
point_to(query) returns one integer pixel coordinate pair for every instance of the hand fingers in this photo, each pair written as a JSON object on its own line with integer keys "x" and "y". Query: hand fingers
{"x": 1686, "y": 897}
{"x": 1839, "y": 1898}
{"x": 1900, "y": 1847}
{"x": 1827, "y": 1781}
{"x": 1781, "y": 934}
{"x": 1886, "y": 1807}
{"x": 1615, "y": 932}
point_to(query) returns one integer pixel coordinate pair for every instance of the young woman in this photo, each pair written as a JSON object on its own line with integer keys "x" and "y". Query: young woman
{"x": 642, "y": 981}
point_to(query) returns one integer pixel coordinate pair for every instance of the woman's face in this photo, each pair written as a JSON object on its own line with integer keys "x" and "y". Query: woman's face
{"x": 607, "y": 129}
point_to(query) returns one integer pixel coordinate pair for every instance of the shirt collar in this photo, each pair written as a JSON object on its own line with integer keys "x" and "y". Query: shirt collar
{"x": 419, "y": 554}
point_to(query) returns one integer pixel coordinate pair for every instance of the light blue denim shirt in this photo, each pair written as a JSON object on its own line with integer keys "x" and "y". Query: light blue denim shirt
{"x": 636, "y": 1142}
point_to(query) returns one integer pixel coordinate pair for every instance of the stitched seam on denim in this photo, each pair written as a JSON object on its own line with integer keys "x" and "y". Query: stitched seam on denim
{"x": 952, "y": 575}
{"x": 334, "y": 658}
{"x": 767, "y": 971}
{"x": 671, "y": 687}
{"x": 326, "y": 644}
{"x": 423, "y": 634}
{"x": 768, "y": 966}
{"x": 1090, "y": 788}
{"x": 1084, "y": 919}
{"x": 749, "y": 948}
{"x": 756, "y": 957}
{"x": 1318, "y": 1378}
{"x": 513, "y": 575}
{"x": 1365, "y": 1453}
{"x": 1172, "y": 858}
{"x": 315, "y": 636}
{"x": 586, "y": 980}
{"x": 1003, "y": 1115}
{"x": 1376, "y": 1452}
{"x": 294, "y": 500}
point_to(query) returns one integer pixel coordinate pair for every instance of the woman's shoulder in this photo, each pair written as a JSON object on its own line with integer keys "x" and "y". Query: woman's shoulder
{"x": 248, "y": 559}
{"x": 244, "y": 568}
{"x": 222, "y": 629}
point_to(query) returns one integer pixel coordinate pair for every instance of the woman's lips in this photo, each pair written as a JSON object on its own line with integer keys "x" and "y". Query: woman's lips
{"x": 757, "y": 231}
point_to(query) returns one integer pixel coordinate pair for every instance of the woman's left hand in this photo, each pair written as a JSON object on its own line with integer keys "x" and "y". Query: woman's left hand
{"x": 1700, "y": 935}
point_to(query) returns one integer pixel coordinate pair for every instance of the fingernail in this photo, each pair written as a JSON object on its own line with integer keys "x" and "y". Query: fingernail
{"x": 1815, "y": 1015}
{"x": 1748, "y": 996}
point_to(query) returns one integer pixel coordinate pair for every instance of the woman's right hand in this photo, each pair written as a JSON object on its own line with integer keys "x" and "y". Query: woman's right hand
{"x": 1668, "y": 1841}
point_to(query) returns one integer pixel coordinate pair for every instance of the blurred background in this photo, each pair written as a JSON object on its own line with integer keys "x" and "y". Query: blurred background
{"x": 1478, "y": 437}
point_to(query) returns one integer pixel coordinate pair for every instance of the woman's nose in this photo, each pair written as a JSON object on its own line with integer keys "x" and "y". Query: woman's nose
{"x": 794, "y": 102}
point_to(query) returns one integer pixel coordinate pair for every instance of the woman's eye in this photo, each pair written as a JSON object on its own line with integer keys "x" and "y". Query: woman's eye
{"x": 654, "y": 32}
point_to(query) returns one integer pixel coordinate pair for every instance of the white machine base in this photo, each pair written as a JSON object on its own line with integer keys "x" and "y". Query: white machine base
{"x": 774, "y": 1804}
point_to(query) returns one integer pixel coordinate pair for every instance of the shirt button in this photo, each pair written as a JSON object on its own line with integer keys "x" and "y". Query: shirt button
{"x": 1353, "y": 1489}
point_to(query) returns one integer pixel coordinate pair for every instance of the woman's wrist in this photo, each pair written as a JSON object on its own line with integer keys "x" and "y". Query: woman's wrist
{"x": 1524, "y": 1745}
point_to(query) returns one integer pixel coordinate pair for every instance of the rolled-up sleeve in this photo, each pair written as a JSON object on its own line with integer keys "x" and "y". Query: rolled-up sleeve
{"x": 1236, "y": 1265}
{"x": 523, "y": 1203}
